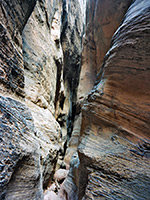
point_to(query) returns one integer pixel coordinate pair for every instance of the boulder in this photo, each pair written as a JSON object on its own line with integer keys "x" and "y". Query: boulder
{"x": 60, "y": 174}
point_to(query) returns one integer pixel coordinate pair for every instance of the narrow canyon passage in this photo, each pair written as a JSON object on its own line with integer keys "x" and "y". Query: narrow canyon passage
{"x": 74, "y": 100}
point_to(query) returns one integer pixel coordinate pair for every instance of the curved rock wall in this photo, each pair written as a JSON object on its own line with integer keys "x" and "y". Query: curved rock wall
{"x": 102, "y": 20}
{"x": 19, "y": 150}
{"x": 114, "y": 147}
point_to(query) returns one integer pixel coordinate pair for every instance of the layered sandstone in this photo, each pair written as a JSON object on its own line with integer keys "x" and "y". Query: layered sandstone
{"x": 11, "y": 27}
{"x": 19, "y": 148}
{"x": 102, "y": 20}
{"x": 30, "y": 139}
{"x": 114, "y": 147}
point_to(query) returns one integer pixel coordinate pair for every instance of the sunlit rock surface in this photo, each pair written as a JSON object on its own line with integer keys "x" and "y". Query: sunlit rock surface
{"x": 43, "y": 59}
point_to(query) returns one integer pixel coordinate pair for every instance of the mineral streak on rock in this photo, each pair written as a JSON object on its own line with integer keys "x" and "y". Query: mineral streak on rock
{"x": 73, "y": 20}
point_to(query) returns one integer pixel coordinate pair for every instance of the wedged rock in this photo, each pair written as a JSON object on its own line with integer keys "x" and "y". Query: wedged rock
{"x": 52, "y": 187}
{"x": 60, "y": 174}
{"x": 103, "y": 17}
{"x": 114, "y": 147}
{"x": 69, "y": 188}
{"x": 74, "y": 140}
{"x": 20, "y": 174}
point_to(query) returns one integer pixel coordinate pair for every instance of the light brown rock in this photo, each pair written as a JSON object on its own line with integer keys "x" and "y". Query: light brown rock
{"x": 43, "y": 58}
{"x": 103, "y": 17}
{"x": 52, "y": 187}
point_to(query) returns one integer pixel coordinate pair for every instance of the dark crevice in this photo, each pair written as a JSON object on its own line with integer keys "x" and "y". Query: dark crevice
{"x": 72, "y": 63}
{"x": 58, "y": 82}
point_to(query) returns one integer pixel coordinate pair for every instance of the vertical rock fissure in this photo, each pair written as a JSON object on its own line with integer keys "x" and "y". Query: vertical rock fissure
{"x": 71, "y": 40}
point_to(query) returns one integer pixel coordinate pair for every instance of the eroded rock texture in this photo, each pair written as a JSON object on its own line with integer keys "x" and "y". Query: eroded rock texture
{"x": 29, "y": 150}
{"x": 11, "y": 26}
{"x": 114, "y": 147}
{"x": 19, "y": 153}
{"x": 32, "y": 88}
{"x": 20, "y": 174}
{"x": 43, "y": 72}
{"x": 38, "y": 103}
{"x": 103, "y": 17}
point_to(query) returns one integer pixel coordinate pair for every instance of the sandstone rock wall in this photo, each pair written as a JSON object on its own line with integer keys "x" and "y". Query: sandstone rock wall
{"x": 31, "y": 139}
{"x": 12, "y": 24}
{"x": 19, "y": 157}
{"x": 114, "y": 147}
{"x": 38, "y": 98}
{"x": 43, "y": 60}
{"x": 32, "y": 88}
{"x": 102, "y": 20}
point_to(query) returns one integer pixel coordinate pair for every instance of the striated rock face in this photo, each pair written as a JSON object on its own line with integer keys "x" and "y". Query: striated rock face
{"x": 11, "y": 26}
{"x": 20, "y": 174}
{"x": 30, "y": 139}
{"x": 19, "y": 153}
{"x": 103, "y": 17}
{"x": 42, "y": 54}
{"x": 114, "y": 147}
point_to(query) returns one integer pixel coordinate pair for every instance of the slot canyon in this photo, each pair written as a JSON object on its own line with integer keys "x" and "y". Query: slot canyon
{"x": 74, "y": 99}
